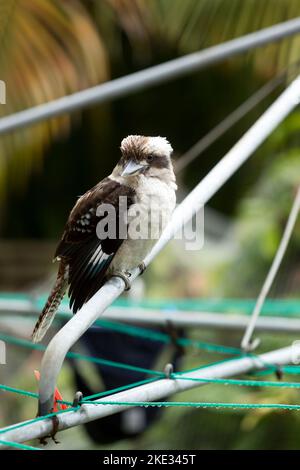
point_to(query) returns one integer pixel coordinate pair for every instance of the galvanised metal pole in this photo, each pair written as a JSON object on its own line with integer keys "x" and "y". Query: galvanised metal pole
{"x": 230, "y": 163}
{"x": 149, "y": 77}
{"x": 220, "y": 321}
{"x": 248, "y": 343}
{"x": 201, "y": 194}
{"x": 178, "y": 318}
{"x": 149, "y": 392}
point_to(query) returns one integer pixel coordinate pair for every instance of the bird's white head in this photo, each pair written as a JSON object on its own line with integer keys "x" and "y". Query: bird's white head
{"x": 147, "y": 156}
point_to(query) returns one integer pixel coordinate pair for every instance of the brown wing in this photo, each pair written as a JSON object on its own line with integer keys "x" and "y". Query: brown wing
{"x": 87, "y": 256}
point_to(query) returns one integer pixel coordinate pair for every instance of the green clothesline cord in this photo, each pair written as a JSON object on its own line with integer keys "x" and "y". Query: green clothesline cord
{"x": 153, "y": 335}
{"x": 156, "y": 335}
{"x": 288, "y": 369}
{"x": 282, "y": 307}
{"x": 120, "y": 389}
{"x": 137, "y": 331}
{"x": 6, "y": 388}
{"x": 242, "y": 383}
{"x": 286, "y": 307}
{"x": 234, "y": 406}
{"x": 73, "y": 355}
{"x": 40, "y": 347}
{"x": 17, "y": 445}
{"x": 25, "y": 393}
{"x": 29, "y": 344}
{"x": 178, "y": 376}
{"x": 164, "y": 338}
{"x": 13, "y": 427}
{"x": 143, "y": 333}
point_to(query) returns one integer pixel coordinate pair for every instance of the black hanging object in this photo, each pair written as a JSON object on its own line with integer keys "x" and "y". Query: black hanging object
{"x": 104, "y": 343}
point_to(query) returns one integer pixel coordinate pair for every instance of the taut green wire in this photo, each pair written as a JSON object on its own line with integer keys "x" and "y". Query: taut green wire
{"x": 119, "y": 365}
{"x": 152, "y": 335}
{"x": 146, "y": 404}
{"x": 179, "y": 376}
{"x": 28, "y": 344}
{"x": 35, "y": 420}
{"x": 137, "y": 331}
{"x": 166, "y": 404}
{"x": 120, "y": 389}
{"x": 244, "y": 383}
{"x": 279, "y": 406}
{"x": 165, "y": 338}
{"x": 283, "y": 307}
{"x": 17, "y": 445}
{"x": 6, "y": 388}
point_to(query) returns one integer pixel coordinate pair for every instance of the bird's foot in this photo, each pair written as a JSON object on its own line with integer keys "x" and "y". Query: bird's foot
{"x": 125, "y": 276}
{"x": 142, "y": 267}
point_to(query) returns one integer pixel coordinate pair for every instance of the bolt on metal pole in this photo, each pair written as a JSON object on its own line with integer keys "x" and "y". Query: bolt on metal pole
{"x": 216, "y": 178}
{"x": 149, "y": 77}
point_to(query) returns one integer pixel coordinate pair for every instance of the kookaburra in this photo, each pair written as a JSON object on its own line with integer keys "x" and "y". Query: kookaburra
{"x": 144, "y": 180}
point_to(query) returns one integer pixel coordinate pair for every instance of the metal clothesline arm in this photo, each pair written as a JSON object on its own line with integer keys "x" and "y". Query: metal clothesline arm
{"x": 180, "y": 318}
{"x": 203, "y": 320}
{"x": 150, "y": 392}
{"x": 149, "y": 77}
{"x": 201, "y": 194}
{"x": 248, "y": 343}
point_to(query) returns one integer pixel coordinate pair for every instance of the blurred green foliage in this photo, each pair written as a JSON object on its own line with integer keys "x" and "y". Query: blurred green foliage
{"x": 75, "y": 46}
{"x": 261, "y": 217}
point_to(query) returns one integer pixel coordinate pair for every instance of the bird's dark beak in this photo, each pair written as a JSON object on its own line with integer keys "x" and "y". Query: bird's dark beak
{"x": 131, "y": 168}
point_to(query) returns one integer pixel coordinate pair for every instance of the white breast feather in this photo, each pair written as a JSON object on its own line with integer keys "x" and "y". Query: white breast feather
{"x": 162, "y": 198}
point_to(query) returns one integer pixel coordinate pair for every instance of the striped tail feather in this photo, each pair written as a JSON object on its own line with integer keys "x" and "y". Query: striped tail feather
{"x": 52, "y": 304}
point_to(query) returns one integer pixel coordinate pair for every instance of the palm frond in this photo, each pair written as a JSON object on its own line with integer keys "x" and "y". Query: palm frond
{"x": 49, "y": 49}
{"x": 194, "y": 24}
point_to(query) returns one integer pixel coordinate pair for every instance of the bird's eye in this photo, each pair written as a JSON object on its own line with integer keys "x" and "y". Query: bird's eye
{"x": 150, "y": 158}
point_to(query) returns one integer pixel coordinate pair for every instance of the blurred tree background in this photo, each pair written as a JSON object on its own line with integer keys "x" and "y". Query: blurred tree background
{"x": 52, "y": 48}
